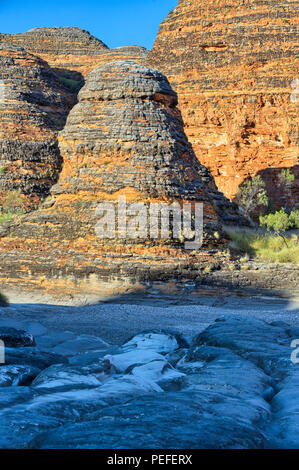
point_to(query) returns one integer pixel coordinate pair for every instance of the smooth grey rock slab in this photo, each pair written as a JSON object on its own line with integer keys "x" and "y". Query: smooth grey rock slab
{"x": 80, "y": 344}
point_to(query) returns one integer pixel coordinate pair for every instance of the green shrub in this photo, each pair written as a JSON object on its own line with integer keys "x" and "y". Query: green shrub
{"x": 13, "y": 201}
{"x": 277, "y": 222}
{"x": 10, "y": 215}
{"x": 11, "y": 206}
{"x": 72, "y": 85}
{"x": 294, "y": 218}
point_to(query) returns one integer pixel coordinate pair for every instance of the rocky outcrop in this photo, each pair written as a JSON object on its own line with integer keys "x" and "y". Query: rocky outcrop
{"x": 67, "y": 49}
{"x": 234, "y": 67}
{"x": 72, "y": 52}
{"x": 124, "y": 138}
{"x": 33, "y": 108}
{"x": 134, "y": 53}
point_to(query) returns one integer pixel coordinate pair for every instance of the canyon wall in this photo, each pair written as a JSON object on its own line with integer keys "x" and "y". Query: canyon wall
{"x": 234, "y": 65}
{"x": 33, "y": 107}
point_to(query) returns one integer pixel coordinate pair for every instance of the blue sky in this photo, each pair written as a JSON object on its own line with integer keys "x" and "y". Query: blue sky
{"x": 115, "y": 22}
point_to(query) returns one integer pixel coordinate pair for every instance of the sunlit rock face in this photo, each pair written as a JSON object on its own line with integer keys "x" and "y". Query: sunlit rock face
{"x": 72, "y": 52}
{"x": 125, "y": 139}
{"x": 33, "y": 108}
{"x": 234, "y": 67}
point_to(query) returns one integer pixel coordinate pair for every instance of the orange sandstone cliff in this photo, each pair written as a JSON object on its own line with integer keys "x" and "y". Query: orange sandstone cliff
{"x": 234, "y": 66}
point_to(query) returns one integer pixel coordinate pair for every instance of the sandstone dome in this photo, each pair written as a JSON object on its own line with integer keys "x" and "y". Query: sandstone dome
{"x": 125, "y": 137}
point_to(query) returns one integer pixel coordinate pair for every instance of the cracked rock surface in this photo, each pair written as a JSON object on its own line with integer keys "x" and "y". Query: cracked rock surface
{"x": 234, "y": 65}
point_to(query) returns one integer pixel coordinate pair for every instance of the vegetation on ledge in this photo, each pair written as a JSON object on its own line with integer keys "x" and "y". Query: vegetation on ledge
{"x": 265, "y": 247}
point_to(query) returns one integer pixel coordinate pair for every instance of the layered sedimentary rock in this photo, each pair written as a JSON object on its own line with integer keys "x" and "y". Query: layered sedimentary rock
{"x": 234, "y": 67}
{"x": 33, "y": 108}
{"x": 67, "y": 49}
{"x": 72, "y": 52}
{"x": 231, "y": 385}
{"x": 124, "y": 138}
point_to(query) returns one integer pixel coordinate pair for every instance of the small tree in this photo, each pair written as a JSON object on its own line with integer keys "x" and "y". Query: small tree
{"x": 252, "y": 194}
{"x": 286, "y": 179}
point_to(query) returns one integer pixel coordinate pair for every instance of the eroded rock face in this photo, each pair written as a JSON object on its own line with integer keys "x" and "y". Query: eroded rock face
{"x": 33, "y": 108}
{"x": 234, "y": 67}
{"x": 124, "y": 138}
{"x": 134, "y": 53}
{"x": 72, "y": 52}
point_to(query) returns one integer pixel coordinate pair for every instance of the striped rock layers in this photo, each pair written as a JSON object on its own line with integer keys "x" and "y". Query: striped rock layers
{"x": 64, "y": 48}
{"x": 33, "y": 108}
{"x": 234, "y": 65}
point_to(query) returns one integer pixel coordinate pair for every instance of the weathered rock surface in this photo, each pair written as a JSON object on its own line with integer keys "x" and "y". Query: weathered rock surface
{"x": 128, "y": 138}
{"x": 234, "y": 67}
{"x": 17, "y": 375}
{"x": 133, "y": 53}
{"x": 72, "y": 52}
{"x": 33, "y": 108}
{"x": 14, "y": 338}
{"x": 233, "y": 386}
{"x": 125, "y": 137}
{"x": 64, "y": 48}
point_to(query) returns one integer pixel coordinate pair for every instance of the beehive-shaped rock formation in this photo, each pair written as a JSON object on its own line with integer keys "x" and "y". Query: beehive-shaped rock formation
{"x": 133, "y": 53}
{"x": 234, "y": 65}
{"x": 65, "y": 48}
{"x": 124, "y": 138}
{"x": 33, "y": 108}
